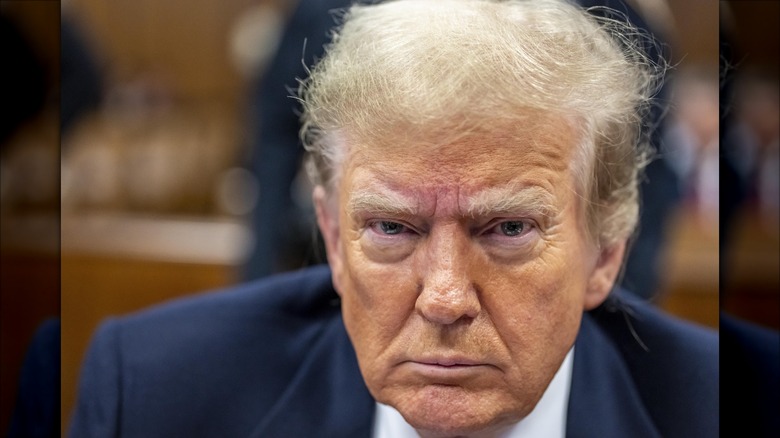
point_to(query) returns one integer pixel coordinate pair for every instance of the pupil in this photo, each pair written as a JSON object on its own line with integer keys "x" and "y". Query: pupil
{"x": 512, "y": 228}
{"x": 390, "y": 227}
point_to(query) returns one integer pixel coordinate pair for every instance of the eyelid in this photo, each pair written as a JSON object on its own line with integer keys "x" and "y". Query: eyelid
{"x": 372, "y": 223}
{"x": 493, "y": 223}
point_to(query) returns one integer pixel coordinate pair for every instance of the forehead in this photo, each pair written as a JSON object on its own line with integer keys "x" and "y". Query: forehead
{"x": 538, "y": 146}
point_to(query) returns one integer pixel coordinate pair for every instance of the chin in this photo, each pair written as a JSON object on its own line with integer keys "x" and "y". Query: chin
{"x": 451, "y": 411}
{"x": 453, "y": 427}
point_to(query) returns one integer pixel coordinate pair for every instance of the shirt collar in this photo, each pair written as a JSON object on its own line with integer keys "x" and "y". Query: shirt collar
{"x": 548, "y": 419}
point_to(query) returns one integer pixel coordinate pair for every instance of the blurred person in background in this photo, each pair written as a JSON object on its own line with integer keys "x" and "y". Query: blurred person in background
{"x": 475, "y": 223}
{"x": 37, "y": 408}
{"x": 283, "y": 220}
{"x": 691, "y": 141}
{"x": 281, "y": 223}
{"x": 24, "y": 79}
{"x": 749, "y": 161}
{"x": 749, "y": 126}
{"x": 752, "y": 145}
{"x": 27, "y": 91}
{"x": 81, "y": 78}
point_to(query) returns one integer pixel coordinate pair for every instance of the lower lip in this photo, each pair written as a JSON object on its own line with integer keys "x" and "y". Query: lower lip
{"x": 446, "y": 373}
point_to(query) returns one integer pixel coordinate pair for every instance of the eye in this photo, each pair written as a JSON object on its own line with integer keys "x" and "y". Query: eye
{"x": 389, "y": 228}
{"x": 388, "y": 241}
{"x": 512, "y": 228}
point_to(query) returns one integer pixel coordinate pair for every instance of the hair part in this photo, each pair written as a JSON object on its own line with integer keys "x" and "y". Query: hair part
{"x": 435, "y": 69}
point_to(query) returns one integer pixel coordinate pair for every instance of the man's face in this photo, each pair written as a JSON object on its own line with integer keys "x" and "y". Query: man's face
{"x": 464, "y": 269}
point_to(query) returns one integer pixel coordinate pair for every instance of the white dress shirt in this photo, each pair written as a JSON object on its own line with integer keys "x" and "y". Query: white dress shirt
{"x": 547, "y": 420}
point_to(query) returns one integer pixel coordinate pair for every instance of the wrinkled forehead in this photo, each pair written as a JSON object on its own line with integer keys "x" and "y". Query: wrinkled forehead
{"x": 501, "y": 147}
{"x": 507, "y": 123}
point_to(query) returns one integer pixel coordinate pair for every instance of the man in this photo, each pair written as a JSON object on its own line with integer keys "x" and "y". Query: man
{"x": 476, "y": 165}
{"x": 279, "y": 223}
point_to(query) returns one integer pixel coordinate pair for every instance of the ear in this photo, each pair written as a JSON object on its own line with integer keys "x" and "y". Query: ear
{"x": 610, "y": 260}
{"x": 328, "y": 222}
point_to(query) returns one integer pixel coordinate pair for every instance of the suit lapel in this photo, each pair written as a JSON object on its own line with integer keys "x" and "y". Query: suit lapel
{"x": 603, "y": 401}
{"x": 327, "y": 396}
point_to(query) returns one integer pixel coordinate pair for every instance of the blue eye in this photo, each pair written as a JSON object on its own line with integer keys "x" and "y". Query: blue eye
{"x": 390, "y": 228}
{"x": 512, "y": 228}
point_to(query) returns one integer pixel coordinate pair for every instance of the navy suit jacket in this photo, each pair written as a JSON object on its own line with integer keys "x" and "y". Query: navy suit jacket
{"x": 272, "y": 359}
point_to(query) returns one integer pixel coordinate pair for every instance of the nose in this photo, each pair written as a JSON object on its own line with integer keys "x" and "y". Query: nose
{"x": 448, "y": 292}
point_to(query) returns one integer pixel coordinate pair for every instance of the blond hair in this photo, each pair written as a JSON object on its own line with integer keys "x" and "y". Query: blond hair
{"x": 454, "y": 67}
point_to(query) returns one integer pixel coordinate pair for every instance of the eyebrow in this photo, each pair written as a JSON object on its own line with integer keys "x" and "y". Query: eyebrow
{"x": 511, "y": 200}
{"x": 508, "y": 200}
{"x": 387, "y": 203}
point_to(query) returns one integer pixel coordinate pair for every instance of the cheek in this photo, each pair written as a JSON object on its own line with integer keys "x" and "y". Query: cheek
{"x": 374, "y": 286}
{"x": 537, "y": 303}
{"x": 377, "y": 300}
{"x": 538, "y": 322}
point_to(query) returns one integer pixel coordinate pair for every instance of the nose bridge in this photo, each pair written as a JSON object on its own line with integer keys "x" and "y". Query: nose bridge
{"x": 447, "y": 254}
{"x": 448, "y": 292}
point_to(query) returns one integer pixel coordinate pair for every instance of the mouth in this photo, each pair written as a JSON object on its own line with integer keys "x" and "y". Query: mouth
{"x": 447, "y": 369}
{"x": 448, "y": 362}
